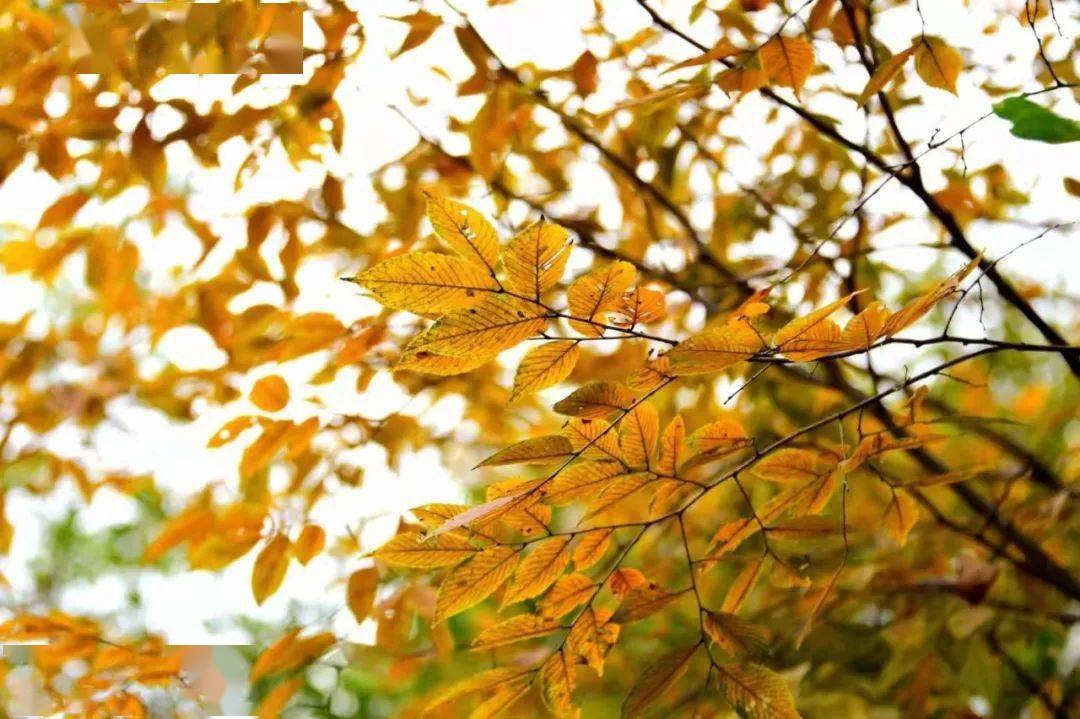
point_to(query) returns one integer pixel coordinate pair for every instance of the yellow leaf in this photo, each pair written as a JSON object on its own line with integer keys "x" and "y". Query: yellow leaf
{"x": 535, "y": 259}
{"x": 900, "y": 516}
{"x": 644, "y": 601}
{"x": 360, "y": 592}
{"x": 638, "y": 434}
{"x": 278, "y": 698}
{"x": 742, "y": 586}
{"x": 787, "y": 61}
{"x": 498, "y": 703}
{"x": 290, "y": 652}
{"x": 412, "y": 550}
{"x": 592, "y": 636}
{"x": 595, "y": 401}
{"x": 820, "y": 15}
{"x": 672, "y": 447}
{"x": 538, "y": 450}
{"x": 465, "y": 230}
{"x": 473, "y": 581}
{"x": 722, "y": 49}
{"x": 914, "y": 310}
{"x": 714, "y": 350}
{"x": 515, "y": 629}
{"x": 938, "y": 64}
{"x": 733, "y": 634}
{"x": 230, "y": 430}
{"x": 471, "y": 684}
{"x": 742, "y": 79}
{"x": 270, "y": 394}
{"x": 865, "y": 328}
{"x": 192, "y": 523}
{"x": 591, "y": 296}
{"x": 557, "y": 684}
{"x": 270, "y": 568}
{"x": 756, "y": 692}
{"x": 497, "y": 323}
{"x": 538, "y": 570}
{"x": 716, "y": 440}
{"x": 581, "y": 482}
{"x": 260, "y": 452}
{"x": 311, "y": 541}
{"x": 544, "y": 366}
{"x": 569, "y": 592}
{"x": 440, "y": 365}
{"x": 885, "y": 73}
{"x": 657, "y": 679}
{"x": 815, "y": 335}
{"x": 593, "y": 439}
{"x": 500, "y": 504}
{"x": 792, "y": 465}
{"x": 426, "y": 282}
{"x": 641, "y": 306}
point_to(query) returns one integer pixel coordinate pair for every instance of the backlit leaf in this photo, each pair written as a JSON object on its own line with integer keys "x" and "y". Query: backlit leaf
{"x": 427, "y": 282}
{"x": 544, "y": 366}
{"x": 474, "y": 581}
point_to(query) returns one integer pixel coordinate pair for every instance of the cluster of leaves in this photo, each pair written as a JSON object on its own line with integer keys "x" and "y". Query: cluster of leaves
{"x": 734, "y": 504}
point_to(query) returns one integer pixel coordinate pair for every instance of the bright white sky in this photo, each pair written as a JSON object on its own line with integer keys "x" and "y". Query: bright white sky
{"x": 541, "y": 30}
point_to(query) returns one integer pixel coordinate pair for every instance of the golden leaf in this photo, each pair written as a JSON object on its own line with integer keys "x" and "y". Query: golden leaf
{"x": 900, "y": 516}
{"x": 714, "y": 350}
{"x": 716, "y": 440}
{"x": 557, "y": 684}
{"x": 733, "y": 634}
{"x": 596, "y": 400}
{"x": 918, "y": 307}
{"x": 360, "y": 592}
{"x": 592, "y": 295}
{"x": 535, "y": 259}
{"x": 568, "y": 593}
{"x": 815, "y": 335}
{"x": 885, "y": 73}
{"x": 742, "y": 79}
{"x": 787, "y": 61}
{"x": 742, "y": 586}
{"x": 309, "y": 543}
{"x": 591, "y": 548}
{"x": 643, "y": 601}
{"x": 938, "y": 64}
{"x": 270, "y": 393}
{"x": 515, "y": 629}
{"x": 538, "y": 450}
{"x": 473, "y": 581}
{"x": 672, "y": 447}
{"x": 581, "y": 481}
{"x": 290, "y": 652}
{"x": 440, "y": 365}
{"x": 592, "y": 635}
{"x": 722, "y": 49}
{"x": 497, "y": 323}
{"x": 756, "y": 692}
{"x": 639, "y": 431}
{"x": 465, "y": 230}
{"x": 270, "y": 568}
{"x": 278, "y": 698}
{"x": 424, "y": 282}
{"x": 544, "y": 366}
{"x": 538, "y": 570}
{"x": 865, "y": 328}
{"x": 593, "y": 439}
{"x": 412, "y": 550}
{"x": 792, "y": 465}
{"x": 472, "y": 684}
{"x": 657, "y": 679}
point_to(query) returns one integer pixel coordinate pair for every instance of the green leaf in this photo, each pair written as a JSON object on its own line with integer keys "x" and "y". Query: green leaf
{"x": 1034, "y": 122}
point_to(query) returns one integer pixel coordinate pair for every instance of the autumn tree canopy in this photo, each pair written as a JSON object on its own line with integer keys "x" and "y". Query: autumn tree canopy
{"x": 527, "y": 358}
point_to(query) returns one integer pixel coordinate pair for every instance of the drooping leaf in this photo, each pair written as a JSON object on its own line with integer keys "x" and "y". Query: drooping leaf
{"x": 638, "y": 434}
{"x": 714, "y": 350}
{"x": 886, "y": 73}
{"x": 410, "y": 549}
{"x": 360, "y": 592}
{"x": 938, "y": 64}
{"x": 270, "y": 568}
{"x": 497, "y": 323}
{"x": 756, "y": 691}
{"x": 787, "y": 61}
{"x": 309, "y": 543}
{"x": 657, "y": 680}
{"x": 538, "y": 570}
